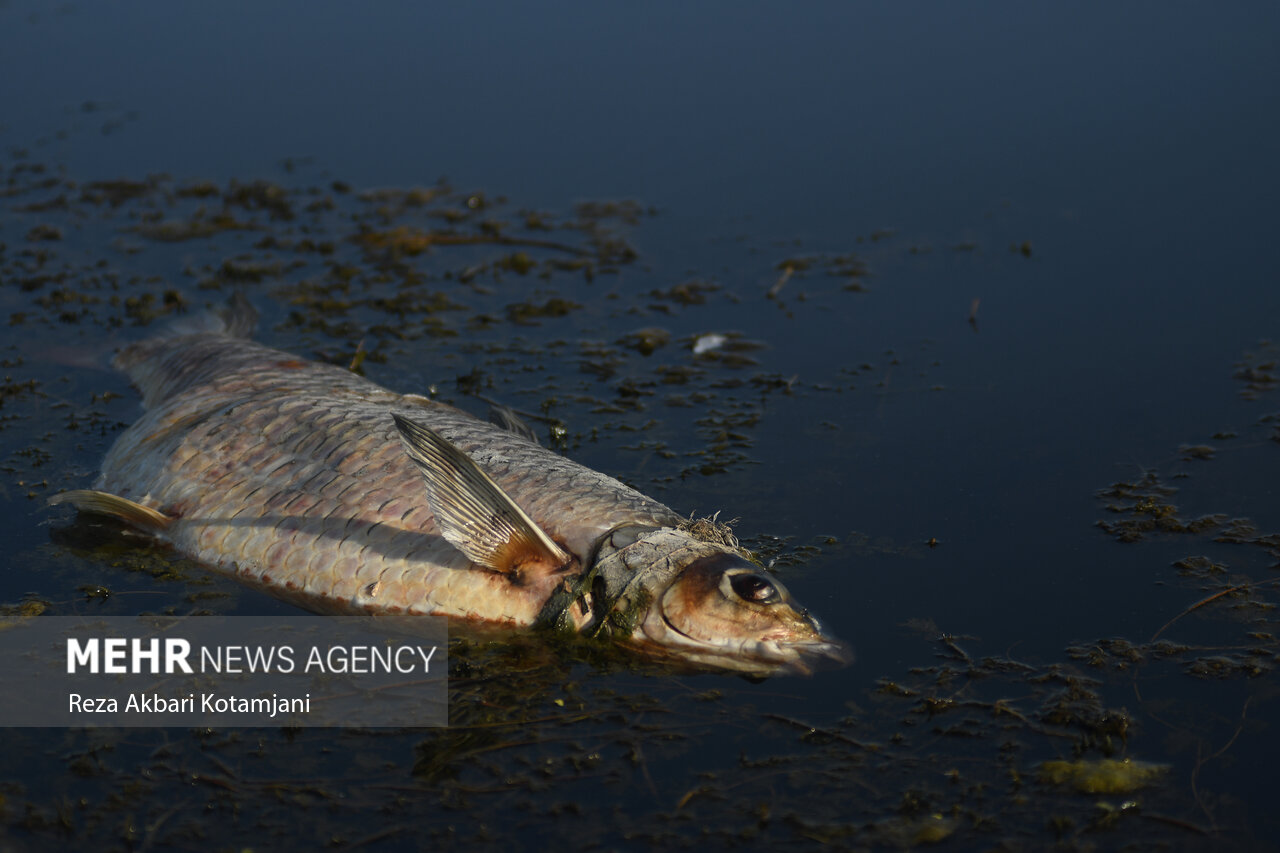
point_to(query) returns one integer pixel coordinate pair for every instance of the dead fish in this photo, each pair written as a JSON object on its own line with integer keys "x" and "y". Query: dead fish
{"x": 325, "y": 489}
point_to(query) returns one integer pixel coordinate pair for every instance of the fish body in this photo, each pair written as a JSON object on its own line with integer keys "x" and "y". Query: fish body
{"x": 323, "y": 488}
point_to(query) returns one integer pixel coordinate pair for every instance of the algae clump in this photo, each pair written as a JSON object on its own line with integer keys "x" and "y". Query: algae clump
{"x": 1101, "y": 776}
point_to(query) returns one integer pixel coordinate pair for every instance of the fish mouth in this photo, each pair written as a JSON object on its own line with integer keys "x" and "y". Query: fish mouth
{"x": 828, "y": 653}
{"x": 749, "y": 656}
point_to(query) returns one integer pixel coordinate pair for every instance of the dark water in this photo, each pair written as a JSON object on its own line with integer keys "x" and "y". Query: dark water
{"x": 1031, "y": 257}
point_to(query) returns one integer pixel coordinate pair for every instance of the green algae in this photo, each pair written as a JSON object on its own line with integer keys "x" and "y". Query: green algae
{"x": 14, "y": 615}
{"x": 1102, "y": 775}
{"x": 1144, "y": 510}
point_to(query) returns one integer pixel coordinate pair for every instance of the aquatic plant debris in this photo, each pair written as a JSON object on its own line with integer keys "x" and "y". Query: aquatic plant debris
{"x": 1145, "y": 511}
{"x": 1258, "y": 371}
{"x": 14, "y": 615}
{"x": 1102, "y": 775}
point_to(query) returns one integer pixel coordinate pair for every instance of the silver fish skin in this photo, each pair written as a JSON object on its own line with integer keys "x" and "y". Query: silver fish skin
{"x": 323, "y": 488}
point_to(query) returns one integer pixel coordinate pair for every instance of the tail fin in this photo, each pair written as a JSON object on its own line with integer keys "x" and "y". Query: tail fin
{"x": 237, "y": 319}
{"x": 162, "y": 363}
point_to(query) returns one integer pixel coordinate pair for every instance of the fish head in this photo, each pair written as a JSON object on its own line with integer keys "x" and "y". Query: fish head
{"x": 704, "y": 604}
{"x": 729, "y": 612}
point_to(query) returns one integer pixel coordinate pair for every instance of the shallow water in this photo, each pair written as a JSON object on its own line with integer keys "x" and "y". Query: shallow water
{"x": 1030, "y": 259}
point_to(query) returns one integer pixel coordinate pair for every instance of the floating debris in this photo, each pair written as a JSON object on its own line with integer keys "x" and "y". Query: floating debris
{"x": 1145, "y": 511}
{"x": 1102, "y": 775}
{"x": 704, "y": 344}
{"x": 1257, "y": 369}
{"x": 13, "y": 615}
{"x": 646, "y": 341}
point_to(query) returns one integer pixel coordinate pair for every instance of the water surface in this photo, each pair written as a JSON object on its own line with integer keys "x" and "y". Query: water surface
{"x": 1029, "y": 259}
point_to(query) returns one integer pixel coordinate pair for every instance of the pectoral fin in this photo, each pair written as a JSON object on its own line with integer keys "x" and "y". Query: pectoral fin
{"x": 104, "y": 503}
{"x": 472, "y": 511}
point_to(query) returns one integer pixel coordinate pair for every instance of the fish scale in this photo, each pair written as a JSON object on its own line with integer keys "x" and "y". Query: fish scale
{"x": 290, "y": 475}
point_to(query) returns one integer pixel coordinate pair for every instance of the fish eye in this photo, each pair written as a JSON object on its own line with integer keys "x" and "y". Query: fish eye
{"x": 751, "y": 587}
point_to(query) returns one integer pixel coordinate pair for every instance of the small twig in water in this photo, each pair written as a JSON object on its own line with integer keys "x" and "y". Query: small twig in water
{"x": 787, "y": 272}
{"x": 1202, "y": 761}
{"x": 1202, "y": 602}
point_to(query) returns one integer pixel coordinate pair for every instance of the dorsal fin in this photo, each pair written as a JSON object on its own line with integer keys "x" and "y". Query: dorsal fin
{"x": 104, "y": 503}
{"x": 472, "y": 511}
{"x": 504, "y": 417}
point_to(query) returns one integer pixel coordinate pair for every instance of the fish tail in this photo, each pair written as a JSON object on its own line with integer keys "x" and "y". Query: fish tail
{"x": 161, "y": 363}
{"x": 237, "y": 319}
